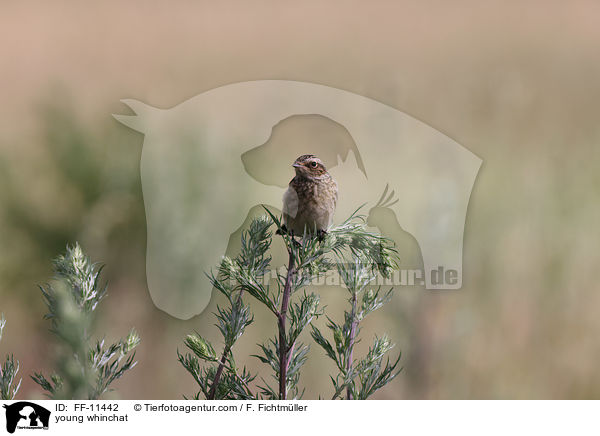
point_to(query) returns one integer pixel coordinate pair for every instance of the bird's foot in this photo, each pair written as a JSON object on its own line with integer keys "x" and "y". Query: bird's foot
{"x": 321, "y": 235}
{"x": 285, "y": 231}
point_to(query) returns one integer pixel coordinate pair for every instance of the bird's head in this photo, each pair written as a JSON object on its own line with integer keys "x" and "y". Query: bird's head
{"x": 309, "y": 166}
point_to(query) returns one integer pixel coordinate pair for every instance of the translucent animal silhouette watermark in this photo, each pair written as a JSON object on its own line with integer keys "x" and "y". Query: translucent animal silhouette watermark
{"x": 208, "y": 162}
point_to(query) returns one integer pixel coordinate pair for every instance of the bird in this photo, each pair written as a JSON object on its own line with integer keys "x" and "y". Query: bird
{"x": 310, "y": 199}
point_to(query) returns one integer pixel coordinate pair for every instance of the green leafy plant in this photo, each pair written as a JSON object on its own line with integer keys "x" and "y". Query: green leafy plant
{"x": 360, "y": 378}
{"x": 294, "y": 309}
{"x": 84, "y": 368}
{"x": 8, "y": 372}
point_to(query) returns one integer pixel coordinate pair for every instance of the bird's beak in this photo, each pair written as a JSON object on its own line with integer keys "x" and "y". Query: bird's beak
{"x": 296, "y": 165}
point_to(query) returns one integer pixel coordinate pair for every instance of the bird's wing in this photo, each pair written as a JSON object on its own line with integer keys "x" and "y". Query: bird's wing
{"x": 335, "y": 197}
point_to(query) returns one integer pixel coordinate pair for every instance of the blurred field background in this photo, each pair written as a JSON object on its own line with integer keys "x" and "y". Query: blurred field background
{"x": 517, "y": 84}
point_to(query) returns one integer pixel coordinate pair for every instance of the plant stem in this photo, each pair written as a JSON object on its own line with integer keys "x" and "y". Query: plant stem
{"x": 353, "y": 327}
{"x": 213, "y": 386}
{"x": 223, "y": 360}
{"x": 282, "y": 318}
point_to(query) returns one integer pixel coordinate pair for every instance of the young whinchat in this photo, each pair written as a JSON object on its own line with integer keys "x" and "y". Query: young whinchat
{"x": 311, "y": 197}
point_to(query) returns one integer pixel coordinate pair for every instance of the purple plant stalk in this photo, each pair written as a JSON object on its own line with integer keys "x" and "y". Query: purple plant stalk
{"x": 215, "y": 383}
{"x": 222, "y": 360}
{"x": 353, "y": 327}
{"x": 284, "y": 349}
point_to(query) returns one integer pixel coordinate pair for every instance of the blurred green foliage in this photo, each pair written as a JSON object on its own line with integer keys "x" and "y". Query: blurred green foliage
{"x": 76, "y": 183}
{"x": 85, "y": 369}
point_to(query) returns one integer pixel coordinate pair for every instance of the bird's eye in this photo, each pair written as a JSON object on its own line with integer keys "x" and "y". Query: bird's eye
{"x": 313, "y": 164}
